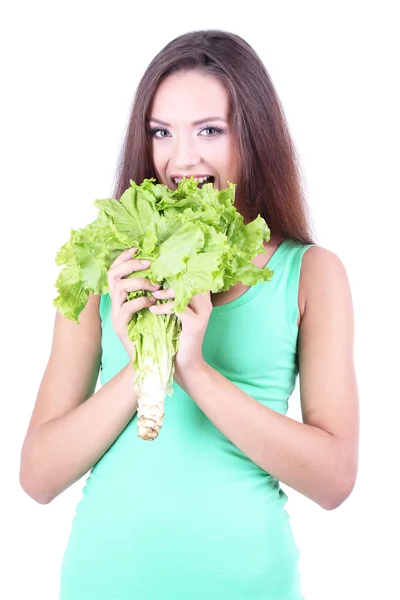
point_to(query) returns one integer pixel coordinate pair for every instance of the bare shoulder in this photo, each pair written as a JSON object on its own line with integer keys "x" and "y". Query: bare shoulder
{"x": 71, "y": 373}
{"x": 322, "y": 272}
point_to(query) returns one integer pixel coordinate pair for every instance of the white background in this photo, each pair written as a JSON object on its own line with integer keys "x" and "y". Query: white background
{"x": 69, "y": 71}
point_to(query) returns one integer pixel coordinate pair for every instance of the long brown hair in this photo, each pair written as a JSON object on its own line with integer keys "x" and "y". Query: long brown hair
{"x": 270, "y": 181}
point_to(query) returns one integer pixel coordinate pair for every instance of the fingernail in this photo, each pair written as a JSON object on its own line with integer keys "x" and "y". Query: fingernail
{"x": 145, "y": 262}
{"x": 152, "y": 300}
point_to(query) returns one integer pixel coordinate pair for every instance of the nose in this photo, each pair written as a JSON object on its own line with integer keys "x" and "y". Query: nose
{"x": 184, "y": 154}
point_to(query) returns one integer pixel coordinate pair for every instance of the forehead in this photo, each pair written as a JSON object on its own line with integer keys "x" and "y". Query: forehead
{"x": 190, "y": 96}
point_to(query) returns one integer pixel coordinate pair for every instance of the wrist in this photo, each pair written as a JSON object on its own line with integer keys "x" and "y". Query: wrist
{"x": 188, "y": 375}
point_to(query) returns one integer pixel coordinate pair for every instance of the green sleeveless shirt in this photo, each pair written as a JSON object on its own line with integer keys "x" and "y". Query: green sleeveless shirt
{"x": 189, "y": 516}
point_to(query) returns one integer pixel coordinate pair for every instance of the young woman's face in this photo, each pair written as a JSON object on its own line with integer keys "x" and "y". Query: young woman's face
{"x": 190, "y": 132}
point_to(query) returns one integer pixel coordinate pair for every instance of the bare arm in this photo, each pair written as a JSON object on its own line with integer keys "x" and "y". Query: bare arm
{"x": 319, "y": 457}
{"x": 71, "y": 426}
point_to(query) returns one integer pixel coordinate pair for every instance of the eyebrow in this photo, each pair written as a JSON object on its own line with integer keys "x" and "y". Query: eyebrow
{"x": 199, "y": 122}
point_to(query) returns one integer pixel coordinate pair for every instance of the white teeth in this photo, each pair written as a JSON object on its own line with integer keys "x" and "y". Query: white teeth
{"x": 199, "y": 179}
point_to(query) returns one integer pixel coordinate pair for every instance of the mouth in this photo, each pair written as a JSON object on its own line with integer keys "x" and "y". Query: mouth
{"x": 202, "y": 179}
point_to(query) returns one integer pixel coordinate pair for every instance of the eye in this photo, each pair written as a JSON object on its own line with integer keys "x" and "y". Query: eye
{"x": 211, "y": 131}
{"x": 158, "y": 132}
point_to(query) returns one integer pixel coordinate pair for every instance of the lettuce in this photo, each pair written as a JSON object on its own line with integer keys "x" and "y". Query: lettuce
{"x": 196, "y": 240}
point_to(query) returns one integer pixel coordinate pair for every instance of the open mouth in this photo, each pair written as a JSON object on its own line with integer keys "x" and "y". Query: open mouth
{"x": 202, "y": 180}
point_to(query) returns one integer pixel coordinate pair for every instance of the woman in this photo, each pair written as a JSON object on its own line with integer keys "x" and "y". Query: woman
{"x": 199, "y": 513}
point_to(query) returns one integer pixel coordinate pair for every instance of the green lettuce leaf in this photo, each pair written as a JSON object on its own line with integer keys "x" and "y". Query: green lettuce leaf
{"x": 196, "y": 240}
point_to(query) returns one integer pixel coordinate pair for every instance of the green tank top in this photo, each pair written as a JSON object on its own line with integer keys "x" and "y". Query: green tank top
{"x": 189, "y": 516}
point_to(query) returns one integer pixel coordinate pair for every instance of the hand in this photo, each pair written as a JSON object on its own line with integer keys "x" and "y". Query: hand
{"x": 194, "y": 324}
{"x": 119, "y": 286}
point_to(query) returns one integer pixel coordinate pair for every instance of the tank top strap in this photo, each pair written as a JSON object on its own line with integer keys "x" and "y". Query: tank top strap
{"x": 294, "y": 262}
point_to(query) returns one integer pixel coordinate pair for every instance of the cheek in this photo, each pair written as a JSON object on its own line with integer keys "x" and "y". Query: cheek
{"x": 160, "y": 156}
{"x": 216, "y": 154}
{"x": 226, "y": 161}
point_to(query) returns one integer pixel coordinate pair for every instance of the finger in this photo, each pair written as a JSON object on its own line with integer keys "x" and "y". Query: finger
{"x": 134, "y": 284}
{"x": 202, "y": 297}
{"x": 125, "y": 255}
{"x": 187, "y": 314}
{"x": 164, "y": 294}
{"x": 128, "y": 267}
{"x": 126, "y": 311}
{"x": 163, "y": 309}
{"x": 201, "y": 302}
{"x": 124, "y": 269}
